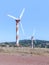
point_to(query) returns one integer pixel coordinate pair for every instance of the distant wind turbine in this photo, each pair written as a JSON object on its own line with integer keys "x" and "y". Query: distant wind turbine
{"x": 33, "y": 39}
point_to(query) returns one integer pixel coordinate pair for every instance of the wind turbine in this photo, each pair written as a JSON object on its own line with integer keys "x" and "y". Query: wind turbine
{"x": 33, "y": 38}
{"x": 17, "y": 25}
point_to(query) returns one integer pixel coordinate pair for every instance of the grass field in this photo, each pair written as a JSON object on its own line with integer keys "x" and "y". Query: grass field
{"x": 24, "y": 50}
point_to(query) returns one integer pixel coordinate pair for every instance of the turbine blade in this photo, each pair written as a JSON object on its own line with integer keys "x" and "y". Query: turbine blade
{"x": 22, "y": 13}
{"x": 12, "y": 16}
{"x": 33, "y": 32}
{"x": 22, "y": 28}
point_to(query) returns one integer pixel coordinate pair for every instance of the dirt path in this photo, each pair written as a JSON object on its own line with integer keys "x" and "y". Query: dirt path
{"x": 6, "y": 59}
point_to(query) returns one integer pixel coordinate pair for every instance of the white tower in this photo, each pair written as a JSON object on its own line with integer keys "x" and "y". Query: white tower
{"x": 32, "y": 42}
{"x": 17, "y": 32}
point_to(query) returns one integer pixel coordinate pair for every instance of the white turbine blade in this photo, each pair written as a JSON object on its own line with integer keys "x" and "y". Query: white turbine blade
{"x": 22, "y": 28}
{"x": 33, "y": 32}
{"x": 12, "y": 16}
{"x": 22, "y": 13}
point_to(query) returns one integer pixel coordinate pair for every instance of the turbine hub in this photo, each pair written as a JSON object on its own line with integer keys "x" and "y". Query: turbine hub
{"x": 18, "y": 20}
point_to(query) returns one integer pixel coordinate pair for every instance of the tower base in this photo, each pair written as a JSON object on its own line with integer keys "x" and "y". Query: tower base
{"x": 17, "y": 45}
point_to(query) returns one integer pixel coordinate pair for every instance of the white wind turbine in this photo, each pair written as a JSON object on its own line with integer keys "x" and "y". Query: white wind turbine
{"x": 33, "y": 39}
{"x": 17, "y": 25}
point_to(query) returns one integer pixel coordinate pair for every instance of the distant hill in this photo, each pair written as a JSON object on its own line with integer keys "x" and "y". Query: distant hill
{"x": 27, "y": 43}
{"x": 37, "y": 43}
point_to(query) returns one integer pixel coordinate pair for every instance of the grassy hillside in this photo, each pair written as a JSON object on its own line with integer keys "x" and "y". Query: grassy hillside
{"x": 37, "y": 43}
{"x": 27, "y": 43}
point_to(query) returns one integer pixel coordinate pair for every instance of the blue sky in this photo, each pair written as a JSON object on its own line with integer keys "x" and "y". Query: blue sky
{"x": 36, "y": 17}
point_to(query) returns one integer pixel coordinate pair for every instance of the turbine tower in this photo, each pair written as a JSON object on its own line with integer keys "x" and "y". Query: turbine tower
{"x": 32, "y": 39}
{"x": 32, "y": 42}
{"x": 17, "y": 25}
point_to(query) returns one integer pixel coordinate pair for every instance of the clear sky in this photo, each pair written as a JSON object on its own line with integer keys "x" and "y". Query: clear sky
{"x": 36, "y": 17}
